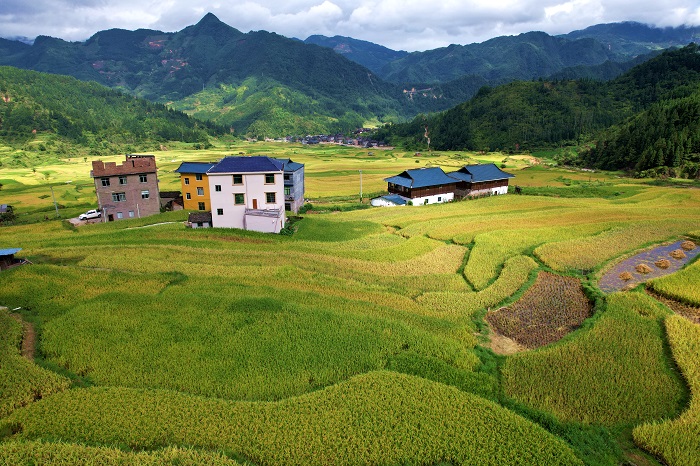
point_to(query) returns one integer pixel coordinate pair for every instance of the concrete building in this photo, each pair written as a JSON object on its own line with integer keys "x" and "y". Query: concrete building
{"x": 129, "y": 190}
{"x": 293, "y": 185}
{"x": 195, "y": 185}
{"x": 248, "y": 193}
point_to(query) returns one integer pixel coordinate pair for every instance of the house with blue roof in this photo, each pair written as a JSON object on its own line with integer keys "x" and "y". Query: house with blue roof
{"x": 195, "y": 185}
{"x": 248, "y": 193}
{"x": 421, "y": 186}
{"x": 480, "y": 180}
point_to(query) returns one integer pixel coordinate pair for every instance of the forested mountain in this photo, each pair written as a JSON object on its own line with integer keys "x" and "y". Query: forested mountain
{"x": 370, "y": 55}
{"x": 644, "y": 118}
{"x": 73, "y": 112}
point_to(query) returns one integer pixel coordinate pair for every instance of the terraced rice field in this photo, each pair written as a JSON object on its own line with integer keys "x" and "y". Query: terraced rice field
{"x": 360, "y": 339}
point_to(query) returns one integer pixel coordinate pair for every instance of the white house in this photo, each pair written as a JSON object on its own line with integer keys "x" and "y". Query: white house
{"x": 247, "y": 193}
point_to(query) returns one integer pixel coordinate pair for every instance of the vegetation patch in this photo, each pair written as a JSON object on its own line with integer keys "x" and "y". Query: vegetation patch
{"x": 682, "y": 286}
{"x": 549, "y": 309}
{"x": 678, "y": 441}
{"x": 613, "y": 373}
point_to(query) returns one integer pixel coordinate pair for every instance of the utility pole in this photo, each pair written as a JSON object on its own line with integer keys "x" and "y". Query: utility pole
{"x": 360, "y": 186}
{"x": 54, "y": 201}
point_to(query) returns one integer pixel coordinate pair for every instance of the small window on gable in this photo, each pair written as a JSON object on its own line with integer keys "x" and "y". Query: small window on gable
{"x": 217, "y": 188}
{"x": 198, "y": 176}
{"x": 219, "y": 211}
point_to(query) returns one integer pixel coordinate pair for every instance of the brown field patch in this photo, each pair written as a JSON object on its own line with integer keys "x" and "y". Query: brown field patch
{"x": 553, "y": 307}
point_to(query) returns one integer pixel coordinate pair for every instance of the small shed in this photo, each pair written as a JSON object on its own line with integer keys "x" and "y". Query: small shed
{"x": 199, "y": 220}
{"x": 8, "y": 259}
{"x": 390, "y": 200}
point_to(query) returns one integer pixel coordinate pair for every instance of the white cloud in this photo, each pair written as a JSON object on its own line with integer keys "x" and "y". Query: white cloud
{"x": 399, "y": 24}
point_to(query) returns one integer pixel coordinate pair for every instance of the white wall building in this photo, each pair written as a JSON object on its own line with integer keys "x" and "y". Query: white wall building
{"x": 247, "y": 193}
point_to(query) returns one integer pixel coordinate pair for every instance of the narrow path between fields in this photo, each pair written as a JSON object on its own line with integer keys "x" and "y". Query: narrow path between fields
{"x": 28, "y": 338}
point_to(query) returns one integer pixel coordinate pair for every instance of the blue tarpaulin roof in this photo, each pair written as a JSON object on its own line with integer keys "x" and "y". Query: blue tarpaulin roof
{"x": 395, "y": 199}
{"x": 9, "y": 252}
{"x": 480, "y": 173}
{"x": 421, "y": 178}
{"x": 194, "y": 167}
{"x": 252, "y": 164}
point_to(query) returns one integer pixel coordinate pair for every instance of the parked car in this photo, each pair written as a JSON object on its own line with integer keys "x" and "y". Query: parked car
{"x": 93, "y": 213}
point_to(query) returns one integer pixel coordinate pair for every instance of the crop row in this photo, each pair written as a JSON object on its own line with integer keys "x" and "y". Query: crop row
{"x": 613, "y": 373}
{"x": 683, "y": 286}
{"x": 21, "y": 381}
{"x": 55, "y": 454}
{"x": 678, "y": 441}
{"x": 375, "y": 418}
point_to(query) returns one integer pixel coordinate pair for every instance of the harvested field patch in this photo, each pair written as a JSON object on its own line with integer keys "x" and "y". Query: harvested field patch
{"x": 550, "y": 309}
{"x": 689, "y": 312}
{"x": 624, "y": 275}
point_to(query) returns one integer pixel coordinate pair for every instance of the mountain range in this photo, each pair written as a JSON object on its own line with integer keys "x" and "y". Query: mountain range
{"x": 264, "y": 84}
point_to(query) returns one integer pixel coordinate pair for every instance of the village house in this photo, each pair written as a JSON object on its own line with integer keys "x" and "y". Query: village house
{"x": 432, "y": 185}
{"x": 248, "y": 193}
{"x": 423, "y": 186}
{"x": 128, "y": 190}
{"x": 195, "y": 185}
{"x": 480, "y": 180}
{"x": 8, "y": 259}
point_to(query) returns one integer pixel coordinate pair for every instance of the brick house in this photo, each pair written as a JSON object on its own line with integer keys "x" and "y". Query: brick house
{"x": 129, "y": 190}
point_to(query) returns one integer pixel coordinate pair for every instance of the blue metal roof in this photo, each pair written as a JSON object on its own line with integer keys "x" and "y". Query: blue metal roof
{"x": 421, "y": 178}
{"x": 9, "y": 252}
{"x": 194, "y": 167}
{"x": 395, "y": 198}
{"x": 289, "y": 165}
{"x": 480, "y": 173}
{"x": 254, "y": 164}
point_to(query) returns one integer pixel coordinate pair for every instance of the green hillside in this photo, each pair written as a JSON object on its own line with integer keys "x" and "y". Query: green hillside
{"x": 63, "y": 112}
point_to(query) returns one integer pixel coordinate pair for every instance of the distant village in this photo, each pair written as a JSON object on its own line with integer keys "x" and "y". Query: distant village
{"x": 360, "y": 138}
{"x": 256, "y": 192}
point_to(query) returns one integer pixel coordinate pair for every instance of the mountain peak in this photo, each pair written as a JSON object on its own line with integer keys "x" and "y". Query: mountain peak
{"x": 213, "y": 26}
{"x": 209, "y": 19}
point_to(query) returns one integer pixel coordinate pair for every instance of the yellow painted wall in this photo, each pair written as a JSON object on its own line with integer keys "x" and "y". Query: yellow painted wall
{"x": 191, "y": 189}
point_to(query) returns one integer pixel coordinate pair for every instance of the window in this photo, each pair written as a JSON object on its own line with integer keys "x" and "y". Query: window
{"x": 287, "y": 177}
{"x": 201, "y": 206}
{"x": 145, "y": 194}
{"x": 187, "y": 181}
{"x": 143, "y": 178}
{"x": 237, "y": 179}
{"x": 105, "y": 181}
{"x": 198, "y": 176}
{"x": 131, "y": 214}
{"x": 188, "y": 196}
{"x": 270, "y": 198}
{"x": 122, "y": 180}
{"x": 118, "y": 197}
{"x": 239, "y": 199}
{"x": 200, "y": 191}
{"x": 219, "y": 211}
{"x": 287, "y": 191}
{"x": 439, "y": 198}
{"x": 120, "y": 215}
{"x": 269, "y": 178}
{"x": 217, "y": 188}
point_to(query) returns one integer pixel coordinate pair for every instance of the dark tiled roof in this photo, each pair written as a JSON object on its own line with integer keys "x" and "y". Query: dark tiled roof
{"x": 289, "y": 165}
{"x": 480, "y": 173}
{"x": 254, "y": 164}
{"x": 421, "y": 178}
{"x": 194, "y": 167}
{"x": 170, "y": 194}
{"x": 199, "y": 217}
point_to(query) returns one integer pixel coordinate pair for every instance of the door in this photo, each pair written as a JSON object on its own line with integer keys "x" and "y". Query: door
{"x": 255, "y": 203}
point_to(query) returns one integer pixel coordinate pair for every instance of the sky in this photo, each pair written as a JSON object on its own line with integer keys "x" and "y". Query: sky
{"x": 410, "y": 25}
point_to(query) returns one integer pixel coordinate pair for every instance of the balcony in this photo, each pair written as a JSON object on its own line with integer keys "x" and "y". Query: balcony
{"x": 272, "y": 213}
